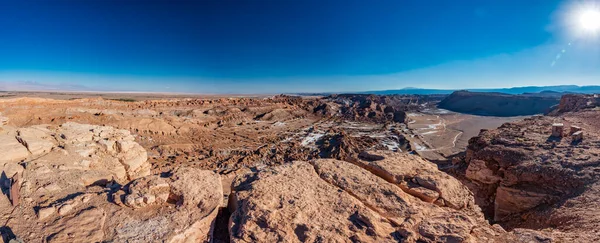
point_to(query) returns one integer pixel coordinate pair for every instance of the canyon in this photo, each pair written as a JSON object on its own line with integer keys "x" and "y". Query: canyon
{"x": 339, "y": 168}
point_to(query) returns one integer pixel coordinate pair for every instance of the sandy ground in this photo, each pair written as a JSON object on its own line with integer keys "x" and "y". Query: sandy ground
{"x": 438, "y": 133}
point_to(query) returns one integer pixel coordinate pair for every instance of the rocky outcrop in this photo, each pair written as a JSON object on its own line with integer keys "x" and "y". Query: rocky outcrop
{"x": 340, "y": 201}
{"x": 368, "y": 107}
{"x": 576, "y": 102}
{"x": 196, "y": 195}
{"x": 523, "y": 175}
{"x": 86, "y": 183}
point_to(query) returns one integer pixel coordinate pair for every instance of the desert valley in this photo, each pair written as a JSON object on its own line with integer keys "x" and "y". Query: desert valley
{"x": 80, "y": 167}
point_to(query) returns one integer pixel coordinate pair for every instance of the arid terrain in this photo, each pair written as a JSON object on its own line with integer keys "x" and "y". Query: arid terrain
{"x": 82, "y": 167}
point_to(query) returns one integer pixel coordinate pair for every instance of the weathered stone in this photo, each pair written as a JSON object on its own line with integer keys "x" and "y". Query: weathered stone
{"x": 557, "y": 129}
{"x": 197, "y": 194}
{"x": 15, "y": 187}
{"x": 45, "y": 212}
{"x": 12, "y": 150}
{"x": 400, "y": 167}
{"x": 85, "y": 226}
{"x": 37, "y": 139}
{"x": 265, "y": 209}
{"x": 147, "y": 190}
{"x": 338, "y": 201}
{"x": 574, "y": 129}
{"x": 64, "y": 209}
{"x": 478, "y": 171}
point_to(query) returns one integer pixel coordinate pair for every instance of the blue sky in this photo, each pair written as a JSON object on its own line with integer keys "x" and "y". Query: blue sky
{"x": 269, "y": 46}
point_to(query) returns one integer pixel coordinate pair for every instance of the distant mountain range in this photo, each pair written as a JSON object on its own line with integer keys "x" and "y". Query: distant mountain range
{"x": 515, "y": 90}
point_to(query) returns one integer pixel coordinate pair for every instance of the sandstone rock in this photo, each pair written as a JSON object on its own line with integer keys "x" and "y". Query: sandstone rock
{"x": 197, "y": 195}
{"x": 37, "y": 139}
{"x": 11, "y": 169}
{"x": 478, "y": 171}
{"x": 557, "y": 130}
{"x": 85, "y": 226}
{"x": 398, "y": 168}
{"x": 266, "y": 207}
{"x": 574, "y": 129}
{"x": 337, "y": 201}
{"x": 524, "y": 179}
{"x": 577, "y": 136}
{"x": 147, "y": 190}
{"x": 73, "y": 132}
{"x": 64, "y": 209}
{"x": 511, "y": 200}
{"x": 12, "y": 150}
{"x": 45, "y": 212}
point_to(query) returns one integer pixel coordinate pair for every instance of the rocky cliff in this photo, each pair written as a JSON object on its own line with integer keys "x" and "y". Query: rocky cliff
{"x": 498, "y": 104}
{"x": 524, "y": 176}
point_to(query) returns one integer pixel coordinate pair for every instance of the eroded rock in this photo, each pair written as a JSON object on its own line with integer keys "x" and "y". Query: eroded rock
{"x": 338, "y": 201}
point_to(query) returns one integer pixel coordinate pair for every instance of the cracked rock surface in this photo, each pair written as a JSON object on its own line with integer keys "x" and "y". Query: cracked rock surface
{"x": 339, "y": 201}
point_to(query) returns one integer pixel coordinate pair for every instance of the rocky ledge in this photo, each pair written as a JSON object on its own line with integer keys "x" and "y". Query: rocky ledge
{"x": 380, "y": 197}
{"x": 85, "y": 183}
{"x": 540, "y": 173}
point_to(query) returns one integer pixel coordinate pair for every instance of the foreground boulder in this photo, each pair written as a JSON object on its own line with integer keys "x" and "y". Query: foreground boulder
{"x": 337, "y": 201}
{"x": 86, "y": 183}
{"x": 184, "y": 207}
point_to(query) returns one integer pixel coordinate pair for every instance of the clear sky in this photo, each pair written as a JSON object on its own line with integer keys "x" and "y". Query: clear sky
{"x": 270, "y": 46}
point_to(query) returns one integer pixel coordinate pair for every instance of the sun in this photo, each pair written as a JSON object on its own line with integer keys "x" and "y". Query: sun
{"x": 580, "y": 20}
{"x": 589, "y": 20}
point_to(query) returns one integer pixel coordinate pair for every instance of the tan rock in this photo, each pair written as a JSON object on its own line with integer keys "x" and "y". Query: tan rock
{"x": 37, "y": 139}
{"x": 574, "y": 129}
{"x": 291, "y": 203}
{"x": 12, "y": 150}
{"x": 65, "y": 209}
{"x": 73, "y": 132}
{"x": 478, "y": 171}
{"x": 11, "y": 169}
{"x": 147, "y": 190}
{"x": 85, "y": 226}
{"x": 401, "y": 167}
{"x": 46, "y": 212}
{"x": 341, "y": 202}
{"x": 557, "y": 129}
{"x": 511, "y": 200}
{"x": 197, "y": 194}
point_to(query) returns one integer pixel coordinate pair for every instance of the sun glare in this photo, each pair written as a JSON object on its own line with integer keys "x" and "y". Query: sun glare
{"x": 582, "y": 19}
{"x": 589, "y": 20}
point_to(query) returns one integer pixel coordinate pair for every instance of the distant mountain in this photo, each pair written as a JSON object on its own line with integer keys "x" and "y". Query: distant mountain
{"x": 515, "y": 90}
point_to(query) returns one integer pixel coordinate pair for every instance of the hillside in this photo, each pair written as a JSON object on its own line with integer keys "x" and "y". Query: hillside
{"x": 498, "y": 104}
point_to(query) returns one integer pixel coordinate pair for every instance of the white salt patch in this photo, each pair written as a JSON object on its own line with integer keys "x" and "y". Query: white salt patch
{"x": 418, "y": 147}
{"x": 311, "y": 138}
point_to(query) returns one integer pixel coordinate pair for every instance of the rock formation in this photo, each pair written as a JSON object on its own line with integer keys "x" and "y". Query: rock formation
{"x": 524, "y": 175}
{"x": 70, "y": 187}
{"x": 363, "y": 201}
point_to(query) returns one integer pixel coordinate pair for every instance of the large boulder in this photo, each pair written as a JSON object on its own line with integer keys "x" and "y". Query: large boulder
{"x": 12, "y": 150}
{"x": 87, "y": 183}
{"x": 338, "y": 201}
{"x": 417, "y": 177}
{"x": 196, "y": 194}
